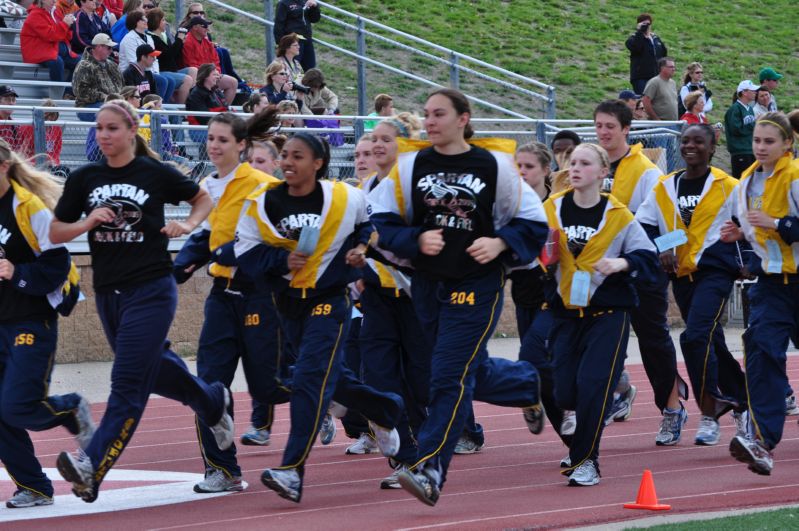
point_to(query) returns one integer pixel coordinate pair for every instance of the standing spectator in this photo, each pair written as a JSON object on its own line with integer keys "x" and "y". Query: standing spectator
{"x": 694, "y": 108}
{"x": 769, "y": 78}
{"x": 646, "y": 49}
{"x": 96, "y": 76}
{"x": 287, "y": 51}
{"x": 739, "y": 123}
{"x": 762, "y": 101}
{"x": 694, "y": 79}
{"x": 225, "y": 62}
{"x": 296, "y": 16}
{"x": 630, "y": 98}
{"x": 198, "y": 50}
{"x": 119, "y": 30}
{"x": 319, "y": 97}
{"x": 384, "y": 107}
{"x": 43, "y": 40}
{"x": 87, "y": 24}
{"x": 9, "y": 132}
{"x": 138, "y": 74}
{"x": 660, "y": 93}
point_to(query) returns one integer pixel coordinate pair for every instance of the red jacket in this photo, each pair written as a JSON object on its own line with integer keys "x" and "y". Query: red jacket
{"x": 196, "y": 53}
{"x": 40, "y": 36}
{"x": 114, "y": 6}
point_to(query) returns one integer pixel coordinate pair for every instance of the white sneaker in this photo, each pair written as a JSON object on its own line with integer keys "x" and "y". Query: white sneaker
{"x": 566, "y": 462}
{"x": 790, "y": 405}
{"x": 286, "y": 482}
{"x": 83, "y": 416}
{"x": 327, "y": 431}
{"x": 28, "y": 498}
{"x": 569, "y": 423}
{"x": 78, "y": 470}
{"x": 392, "y": 481}
{"x": 388, "y": 440}
{"x": 741, "y": 421}
{"x": 256, "y": 437}
{"x": 364, "y": 445}
{"x": 585, "y": 475}
{"x": 224, "y": 430}
{"x": 708, "y": 432}
{"x": 466, "y": 446}
{"x": 218, "y": 481}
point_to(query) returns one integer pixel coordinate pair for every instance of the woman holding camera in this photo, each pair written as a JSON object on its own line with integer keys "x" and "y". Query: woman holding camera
{"x": 279, "y": 86}
{"x": 694, "y": 79}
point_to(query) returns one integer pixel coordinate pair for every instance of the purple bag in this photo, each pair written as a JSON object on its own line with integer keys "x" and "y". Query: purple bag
{"x": 334, "y": 139}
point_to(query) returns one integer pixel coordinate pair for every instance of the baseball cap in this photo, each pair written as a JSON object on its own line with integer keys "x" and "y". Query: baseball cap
{"x": 746, "y": 84}
{"x": 199, "y": 21}
{"x": 146, "y": 49}
{"x": 6, "y": 90}
{"x": 628, "y": 95}
{"x": 770, "y": 74}
{"x": 103, "y": 40}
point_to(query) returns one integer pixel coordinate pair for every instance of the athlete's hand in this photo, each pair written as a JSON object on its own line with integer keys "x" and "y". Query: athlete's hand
{"x": 431, "y": 242}
{"x": 191, "y": 269}
{"x": 668, "y": 261}
{"x": 356, "y": 257}
{"x": 609, "y": 266}
{"x": 730, "y": 232}
{"x": 173, "y": 229}
{"x": 6, "y": 269}
{"x": 297, "y": 260}
{"x": 484, "y": 249}
{"x": 760, "y": 219}
{"x": 98, "y": 216}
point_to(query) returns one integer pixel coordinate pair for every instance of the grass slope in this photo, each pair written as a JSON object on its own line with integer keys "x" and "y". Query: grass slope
{"x": 577, "y": 46}
{"x": 760, "y": 521}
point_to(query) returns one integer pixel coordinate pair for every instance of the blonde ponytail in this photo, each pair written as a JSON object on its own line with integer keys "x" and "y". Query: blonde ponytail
{"x": 40, "y": 183}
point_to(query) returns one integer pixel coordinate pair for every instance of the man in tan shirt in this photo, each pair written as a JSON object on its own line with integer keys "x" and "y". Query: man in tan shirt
{"x": 660, "y": 93}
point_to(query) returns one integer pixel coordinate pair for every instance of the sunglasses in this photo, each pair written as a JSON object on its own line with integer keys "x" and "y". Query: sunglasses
{"x": 196, "y": 12}
{"x": 149, "y": 6}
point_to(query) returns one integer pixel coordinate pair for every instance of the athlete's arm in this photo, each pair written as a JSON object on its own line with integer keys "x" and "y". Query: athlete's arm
{"x": 62, "y": 232}
{"x": 201, "y": 205}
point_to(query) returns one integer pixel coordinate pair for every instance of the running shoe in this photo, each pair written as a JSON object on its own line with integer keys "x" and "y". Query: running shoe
{"x": 466, "y": 446}
{"x": 388, "y": 440}
{"x": 790, "y": 405}
{"x": 423, "y": 485}
{"x": 392, "y": 481}
{"x": 569, "y": 423}
{"x": 364, "y": 445}
{"x": 218, "y": 481}
{"x": 256, "y": 437}
{"x": 741, "y": 423}
{"x": 327, "y": 431}
{"x": 585, "y": 475}
{"x": 83, "y": 417}
{"x": 224, "y": 430}
{"x": 286, "y": 482}
{"x": 27, "y": 498}
{"x": 750, "y": 451}
{"x": 708, "y": 432}
{"x": 78, "y": 470}
{"x": 566, "y": 462}
{"x": 534, "y": 417}
{"x": 625, "y": 408}
{"x": 671, "y": 427}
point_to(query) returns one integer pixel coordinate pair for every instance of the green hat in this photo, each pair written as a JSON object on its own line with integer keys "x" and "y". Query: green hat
{"x": 770, "y": 74}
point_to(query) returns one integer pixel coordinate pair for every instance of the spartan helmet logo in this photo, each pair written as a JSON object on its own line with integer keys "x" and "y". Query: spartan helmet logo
{"x": 459, "y": 200}
{"x": 126, "y": 214}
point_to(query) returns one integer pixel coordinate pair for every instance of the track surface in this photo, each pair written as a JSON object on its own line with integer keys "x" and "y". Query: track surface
{"x": 514, "y": 482}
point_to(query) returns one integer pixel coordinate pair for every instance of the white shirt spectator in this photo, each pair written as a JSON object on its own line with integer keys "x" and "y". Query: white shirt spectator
{"x": 127, "y": 50}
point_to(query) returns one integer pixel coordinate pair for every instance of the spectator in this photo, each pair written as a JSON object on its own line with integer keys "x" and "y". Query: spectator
{"x": 137, "y": 35}
{"x": 739, "y": 124}
{"x": 109, "y": 11}
{"x": 53, "y": 137}
{"x": 694, "y": 108}
{"x": 646, "y": 49}
{"x": 93, "y": 153}
{"x": 694, "y": 79}
{"x": 660, "y": 93}
{"x": 11, "y": 133}
{"x": 296, "y": 16}
{"x": 131, "y": 95}
{"x": 225, "y": 62}
{"x": 762, "y": 101}
{"x": 87, "y": 24}
{"x": 119, "y": 30}
{"x": 769, "y": 78}
{"x": 198, "y": 50}
{"x": 630, "y": 98}
{"x": 154, "y": 102}
{"x": 278, "y": 87}
{"x": 138, "y": 74}
{"x": 43, "y": 40}
{"x": 289, "y": 107}
{"x": 96, "y": 76}
{"x": 384, "y": 106}
{"x": 205, "y": 97}
{"x": 319, "y": 97}
{"x": 287, "y": 51}
{"x": 64, "y": 8}
{"x": 14, "y": 11}
{"x": 562, "y": 145}
{"x": 256, "y": 103}
{"x": 171, "y": 58}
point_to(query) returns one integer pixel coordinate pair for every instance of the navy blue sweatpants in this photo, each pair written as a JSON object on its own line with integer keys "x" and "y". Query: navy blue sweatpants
{"x": 774, "y": 316}
{"x": 136, "y": 321}
{"x": 716, "y": 377}
{"x": 239, "y": 326}
{"x": 317, "y": 335}
{"x": 354, "y": 423}
{"x": 464, "y": 314}
{"x": 396, "y": 359}
{"x": 588, "y": 357}
{"x": 27, "y": 353}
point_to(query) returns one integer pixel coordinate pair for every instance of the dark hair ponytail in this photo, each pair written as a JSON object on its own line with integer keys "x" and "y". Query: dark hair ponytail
{"x": 258, "y": 128}
{"x": 461, "y": 105}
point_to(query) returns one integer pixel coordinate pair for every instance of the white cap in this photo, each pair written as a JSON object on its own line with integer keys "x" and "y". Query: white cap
{"x": 104, "y": 40}
{"x": 746, "y": 84}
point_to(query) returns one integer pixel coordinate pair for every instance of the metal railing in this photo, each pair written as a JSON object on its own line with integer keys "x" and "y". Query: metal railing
{"x": 456, "y": 63}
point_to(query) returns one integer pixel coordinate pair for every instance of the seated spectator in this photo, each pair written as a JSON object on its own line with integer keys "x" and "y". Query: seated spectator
{"x": 138, "y": 74}
{"x": 256, "y": 103}
{"x": 279, "y": 88}
{"x": 289, "y": 107}
{"x": 154, "y": 102}
{"x": 198, "y": 50}
{"x": 131, "y": 95}
{"x": 93, "y": 153}
{"x": 762, "y": 101}
{"x": 171, "y": 59}
{"x": 109, "y": 11}
{"x": 319, "y": 97}
{"x": 119, "y": 30}
{"x": 384, "y": 106}
{"x": 53, "y": 137}
{"x": 96, "y": 76}
{"x": 87, "y": 24}
{"x": 287, "y": 51}
{"x": 43, "y": 40}
{"x": 137, "y": 24}
{"x": 694, "y": 107}
{"x": 11, "y": 133}
{"x": 694, "y": 79}
{"x": 205, "y": 97}
{"x": 64, "y": 8}
{"x": 225, "y": 62}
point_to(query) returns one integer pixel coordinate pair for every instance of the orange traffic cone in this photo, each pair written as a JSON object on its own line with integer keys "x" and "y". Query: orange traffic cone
{"x": 647, "y": 498}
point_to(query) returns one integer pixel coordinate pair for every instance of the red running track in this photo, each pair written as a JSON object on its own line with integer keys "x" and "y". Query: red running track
{"x": 513, "y": 483}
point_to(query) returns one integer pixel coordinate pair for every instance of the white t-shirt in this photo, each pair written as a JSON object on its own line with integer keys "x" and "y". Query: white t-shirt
{"x": 215, "y": 186}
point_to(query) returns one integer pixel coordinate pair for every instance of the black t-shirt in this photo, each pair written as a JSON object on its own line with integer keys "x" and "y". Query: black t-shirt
{"x": 580, "y": 224}
{"x": 131, "y": 249}
{"x": 607, "y": 183}
{"x": 289, "y": 213}
{"x": 142, "y": 80}
{"x": 688, "y": 193}
{"x": 455, "y": 193}
{"x": 14, "y": 304}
